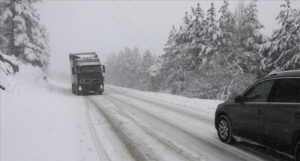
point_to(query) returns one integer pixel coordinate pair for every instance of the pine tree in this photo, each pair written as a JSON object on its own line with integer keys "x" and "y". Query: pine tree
{"x": 147, "y": 61}
{"x": 210, "y": 44}
{"x": 7, "y": 67}
{"x": 249, "y": 39}
{"x": 196, "y": 34}
{"x": 173, "y": 66}
{"x": 28, "y": 39}
{"x": 283, "y": 50}
{"x": 4, "y": 16}
{"x": 226, "y": 35}
{"x": 222, "y": 72}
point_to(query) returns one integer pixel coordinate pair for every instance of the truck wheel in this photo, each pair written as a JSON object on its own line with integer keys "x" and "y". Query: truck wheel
{"x": 99, "y": 92}
{"x": 76, "y": 89}
{"x": 225, "y": 130}
{"x": 297, "y": 151}
{"x": 73, "y": 88}
{"x": 77, "y": 92}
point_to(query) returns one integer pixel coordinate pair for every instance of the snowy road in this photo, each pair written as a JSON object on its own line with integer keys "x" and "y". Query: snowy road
{"x": 131, "y": 125}
{"x": 49, "y": 123}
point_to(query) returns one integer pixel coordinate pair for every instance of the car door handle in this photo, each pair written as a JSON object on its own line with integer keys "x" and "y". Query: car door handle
{"x": 297, "y": 115}
{"x": 260, "y": 112}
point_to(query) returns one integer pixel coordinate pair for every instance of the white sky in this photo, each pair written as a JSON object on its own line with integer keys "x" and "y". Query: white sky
{"x": 109, "y": 26}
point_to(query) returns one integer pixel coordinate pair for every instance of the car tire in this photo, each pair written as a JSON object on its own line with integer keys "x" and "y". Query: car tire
{"x": 224, "y": 130}
{"x": 297, "y": 151}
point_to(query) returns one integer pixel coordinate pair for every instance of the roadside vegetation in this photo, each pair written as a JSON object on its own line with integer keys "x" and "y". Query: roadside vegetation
{"x": 213, "y": 54}
{"x": 23, "y": 39}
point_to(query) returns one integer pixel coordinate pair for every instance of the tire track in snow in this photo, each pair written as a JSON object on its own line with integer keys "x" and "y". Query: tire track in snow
{"x": 209, "y": 142}
{"x": 172, "y": 107}
{"x": 188, "y": 153}
{"x": 161, "y": 100}
{"x": 142, "y": 146}
{"x": 100, "y": 149}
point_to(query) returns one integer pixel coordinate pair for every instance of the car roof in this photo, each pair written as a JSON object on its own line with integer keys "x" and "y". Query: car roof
{"x": 289, "y": 73}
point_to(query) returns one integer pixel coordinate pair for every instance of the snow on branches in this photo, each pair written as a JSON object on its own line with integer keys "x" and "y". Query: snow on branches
{"x": 212, "y": 58}
{"x": 282, "y": 52}
{"x": 27, "y": 38}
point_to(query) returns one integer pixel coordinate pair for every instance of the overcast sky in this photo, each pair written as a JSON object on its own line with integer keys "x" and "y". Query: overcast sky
{"x": 109, "y": 26}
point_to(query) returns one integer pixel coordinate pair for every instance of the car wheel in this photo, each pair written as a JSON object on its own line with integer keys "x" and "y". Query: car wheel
{"x": 224, "y": 130}
{"x": 297, "y": 151}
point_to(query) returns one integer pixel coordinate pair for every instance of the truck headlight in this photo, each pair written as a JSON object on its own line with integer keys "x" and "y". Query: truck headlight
{"x": 101, "y": 86}
{"x": 79, "y": 88}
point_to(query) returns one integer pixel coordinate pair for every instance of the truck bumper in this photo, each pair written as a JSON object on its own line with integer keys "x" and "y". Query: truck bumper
{"x": 91, "y": 88}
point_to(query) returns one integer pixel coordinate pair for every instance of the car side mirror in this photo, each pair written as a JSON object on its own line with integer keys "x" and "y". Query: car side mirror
{"x": 238, "y": 99}
{"x": 103, "y": 68}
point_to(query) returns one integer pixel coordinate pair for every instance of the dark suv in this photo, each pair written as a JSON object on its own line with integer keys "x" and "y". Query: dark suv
{"x": 267, "y": 112}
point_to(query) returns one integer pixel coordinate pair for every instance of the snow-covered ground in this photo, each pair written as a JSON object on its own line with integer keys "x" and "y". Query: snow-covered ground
{"x": 42, "y": 121}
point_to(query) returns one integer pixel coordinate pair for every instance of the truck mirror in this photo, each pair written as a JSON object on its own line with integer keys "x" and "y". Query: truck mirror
{"x": 73, "y": 71}
{"x": 103, "y": 68}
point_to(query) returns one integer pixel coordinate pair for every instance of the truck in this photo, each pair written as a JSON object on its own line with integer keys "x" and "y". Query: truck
{"x": 86, "y": 73}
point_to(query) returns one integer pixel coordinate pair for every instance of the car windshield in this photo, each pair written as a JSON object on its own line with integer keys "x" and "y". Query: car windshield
{"x": 89, "y": 69}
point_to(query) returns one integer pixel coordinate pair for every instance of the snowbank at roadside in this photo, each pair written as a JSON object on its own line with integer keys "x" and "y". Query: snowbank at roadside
{"x": 41, "y": 121}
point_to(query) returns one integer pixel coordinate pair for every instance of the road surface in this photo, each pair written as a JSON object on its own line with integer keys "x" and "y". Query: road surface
{"x": 128, "y": 125}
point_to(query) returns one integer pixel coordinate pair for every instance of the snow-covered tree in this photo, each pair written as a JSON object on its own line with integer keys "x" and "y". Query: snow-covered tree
{"x": 282, "y": 52}
{"x": 7, "y": 67}
{"x": 249, "y": 38}
{"x": 210, "y": 45}
{"x": 130, "y": 68}
{"x": 27, "y": 38}
{"x": 196, "y": 34}
{"x": 173, "y": 67}
{"x": 226, "y": 37}
{"x": 146, "y": 78}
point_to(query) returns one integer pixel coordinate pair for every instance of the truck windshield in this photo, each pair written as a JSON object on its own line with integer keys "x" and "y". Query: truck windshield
{"x": 89, "y": 69}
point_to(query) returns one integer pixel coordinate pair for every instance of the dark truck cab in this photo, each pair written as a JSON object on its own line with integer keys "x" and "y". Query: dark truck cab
{"x": 87, "y": 73}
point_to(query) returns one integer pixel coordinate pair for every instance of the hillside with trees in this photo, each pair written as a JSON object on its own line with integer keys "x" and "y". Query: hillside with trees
{"x": 215, "y": 53}
{"x": 22, "y": 37}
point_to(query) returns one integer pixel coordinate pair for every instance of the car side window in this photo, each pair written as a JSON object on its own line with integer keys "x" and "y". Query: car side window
{"x": 286, "y": 90}
{"x": 259, "y": 93}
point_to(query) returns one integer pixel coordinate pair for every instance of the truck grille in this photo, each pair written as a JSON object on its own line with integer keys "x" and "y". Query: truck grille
{"x": 89, "y": 81}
